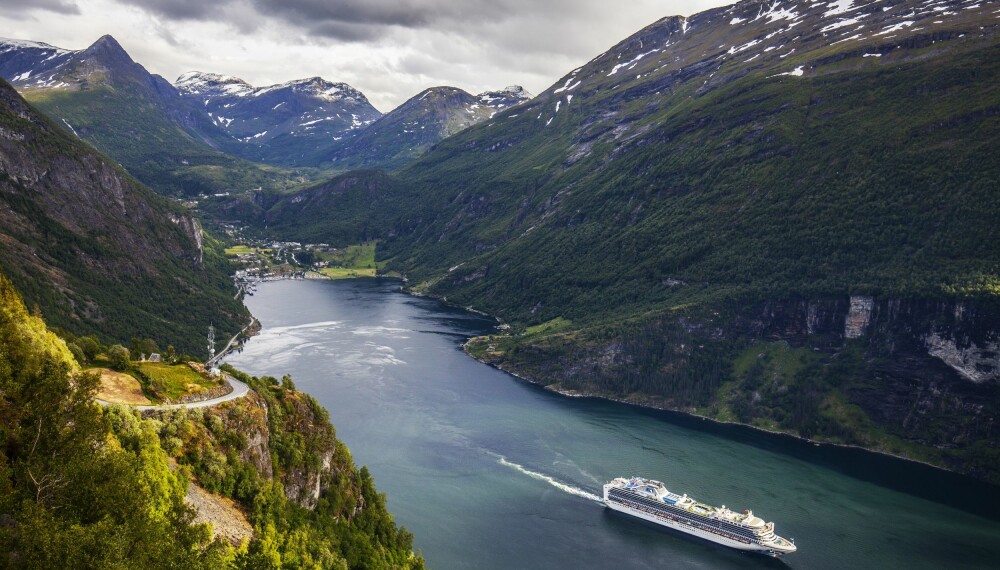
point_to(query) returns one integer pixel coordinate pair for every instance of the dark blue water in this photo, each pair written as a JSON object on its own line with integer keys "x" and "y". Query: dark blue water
{"x": 490, "y": 472}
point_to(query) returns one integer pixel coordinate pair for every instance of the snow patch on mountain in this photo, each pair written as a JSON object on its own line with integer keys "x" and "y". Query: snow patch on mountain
{"x": 843, "y": 23}
{"x": 746, "y": 46}
{"x": 567, "y": 87}
{"x": 838, "y": 7}
{"x": 631, "y": 63}
{"x": 797, "y": 72}
{"x": 775, "y": 13}
{"x": 10, "y": 44}
{"x": 895, "y": 27}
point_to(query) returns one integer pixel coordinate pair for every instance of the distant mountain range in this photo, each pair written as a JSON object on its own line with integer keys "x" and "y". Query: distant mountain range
{"x": 314, "y": 122}
{"x": 421, "y": 122}
{"x": 195, "y": 132}
{"x": 278, "y": 124}
{"x": 139, "y": 119}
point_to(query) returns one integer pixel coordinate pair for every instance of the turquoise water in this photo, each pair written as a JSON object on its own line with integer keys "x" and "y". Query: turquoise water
{"x": 490, "y": 472}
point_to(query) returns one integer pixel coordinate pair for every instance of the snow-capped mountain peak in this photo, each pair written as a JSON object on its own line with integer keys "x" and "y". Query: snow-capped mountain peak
{"x": 302, "y": 113}
{"x": 212, "y": 84}
{"x": 504, "y": 98}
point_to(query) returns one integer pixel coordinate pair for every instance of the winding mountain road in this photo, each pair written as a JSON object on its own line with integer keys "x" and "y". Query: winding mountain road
{"x": 229, "y": 345}
{"x": 240, "y": 390}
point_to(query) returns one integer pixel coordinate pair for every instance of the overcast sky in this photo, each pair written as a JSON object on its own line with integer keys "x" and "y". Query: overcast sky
{"x": 389, "y": 49}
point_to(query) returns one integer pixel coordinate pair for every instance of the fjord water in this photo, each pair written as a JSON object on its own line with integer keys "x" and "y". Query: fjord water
{"x": 490, "y": 472}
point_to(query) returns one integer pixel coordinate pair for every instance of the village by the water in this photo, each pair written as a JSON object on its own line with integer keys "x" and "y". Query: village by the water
{"x": 270, "y": 260}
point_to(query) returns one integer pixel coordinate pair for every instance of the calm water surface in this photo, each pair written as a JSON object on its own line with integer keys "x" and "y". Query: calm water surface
{"x": 490, "y": 472}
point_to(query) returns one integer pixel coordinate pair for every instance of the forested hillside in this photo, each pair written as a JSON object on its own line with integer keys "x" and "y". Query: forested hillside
{"x": 718, "y": 190}
{"x": 96, "y": 251}
{"x": 84, "y": 486}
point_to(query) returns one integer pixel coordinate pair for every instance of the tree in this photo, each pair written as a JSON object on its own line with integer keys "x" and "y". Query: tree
{"x": 119, "y": 357}
{"x": 145, "y": 346}
{"x": 77, "y": 353}
{"x": 90, "y": 346}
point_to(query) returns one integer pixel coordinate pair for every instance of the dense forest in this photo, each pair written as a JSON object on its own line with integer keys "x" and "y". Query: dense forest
{"x": 84, "y": 486}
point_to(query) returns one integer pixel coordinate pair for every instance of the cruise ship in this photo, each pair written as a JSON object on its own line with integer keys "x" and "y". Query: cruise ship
{"x": 651, "y": 501}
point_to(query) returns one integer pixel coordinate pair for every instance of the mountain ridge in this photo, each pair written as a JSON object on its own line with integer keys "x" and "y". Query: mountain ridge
{"x": 417, "y": 124}
{"x": 101, "y": 95}
{"x": 704, "y": 191}
{"x": 280, "y": 123}
{"x": 207, "y": 120}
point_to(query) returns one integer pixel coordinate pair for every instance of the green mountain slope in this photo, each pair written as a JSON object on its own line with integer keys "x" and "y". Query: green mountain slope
{"x": 72, "y": 496}
{"x": 137, "y": 118}
{"x": 819, "y": 176}
{"x": 95, "y": 250}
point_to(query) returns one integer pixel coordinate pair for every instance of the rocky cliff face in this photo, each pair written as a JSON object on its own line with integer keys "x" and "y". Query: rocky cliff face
{"x": 81, "y": 238}
{"x": 923, "y": 371}
{"x": 257, "y": 431}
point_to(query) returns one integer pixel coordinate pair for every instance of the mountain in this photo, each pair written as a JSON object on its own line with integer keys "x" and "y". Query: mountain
{"x": 278, "y": 124}
{"x": 781, "y": 214}
{"x": 102, "y": 96}
{"x": 410, "y": 129}
{"x": 314, "y": 122}
{"x": 97, "y": 252}
{"x": 205, "y": 133}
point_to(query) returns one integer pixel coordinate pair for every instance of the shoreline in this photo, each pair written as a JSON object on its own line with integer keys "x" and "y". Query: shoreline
{"x": 252, "y": 329}
{"x": 694, "y": 416}
{"x": 646, "y": 406}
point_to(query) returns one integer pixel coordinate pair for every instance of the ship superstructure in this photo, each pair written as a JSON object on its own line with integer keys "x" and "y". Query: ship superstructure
{"x": 651, "y": 501}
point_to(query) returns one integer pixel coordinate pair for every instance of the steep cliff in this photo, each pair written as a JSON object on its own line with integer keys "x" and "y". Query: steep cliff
{"x": 913, "y": 377}
{"x": 95, "y": 250}
{"x": 276, "y": 454}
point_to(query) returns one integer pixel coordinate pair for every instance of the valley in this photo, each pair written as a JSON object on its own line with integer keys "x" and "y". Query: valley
{"x": 767, "y": 230}
{"x": 706, "y": 207}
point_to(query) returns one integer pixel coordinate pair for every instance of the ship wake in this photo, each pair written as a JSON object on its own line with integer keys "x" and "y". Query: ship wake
{"x": 550, "y": 480}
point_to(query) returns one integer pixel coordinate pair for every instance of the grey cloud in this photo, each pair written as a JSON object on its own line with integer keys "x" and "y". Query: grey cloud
{"x": 180, "y": 9}
{"x": 368, "y": 20}
{"x": 18, "y": 7}
{"x": 345, "y": 31}
{"x": 411, "y": 14}
{"x": 473, "y": 44}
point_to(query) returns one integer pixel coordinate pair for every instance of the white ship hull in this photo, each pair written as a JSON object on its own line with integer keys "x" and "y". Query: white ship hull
{"x": 688, "y": 529}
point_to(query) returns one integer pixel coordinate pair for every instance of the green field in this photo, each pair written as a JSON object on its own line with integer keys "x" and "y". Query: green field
{"x": 343, "y": 273}
{"x": 166, "y": 381}
{"x": 555, "y": 325}
{"x": 356, "y": 260}
{"x": 239, "y": 250}
{"x": 246, "y": 250}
